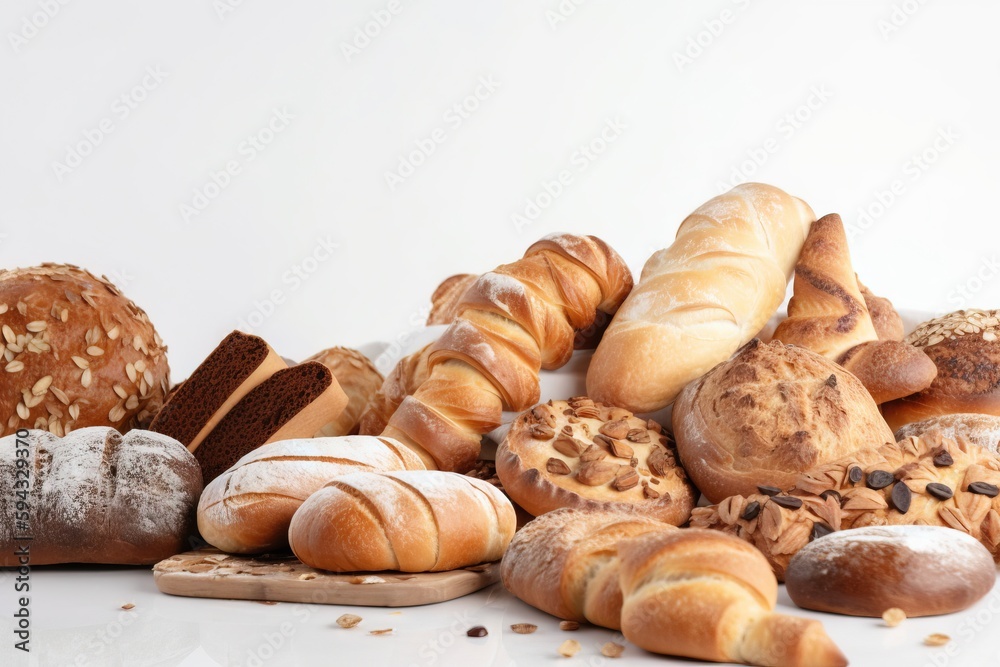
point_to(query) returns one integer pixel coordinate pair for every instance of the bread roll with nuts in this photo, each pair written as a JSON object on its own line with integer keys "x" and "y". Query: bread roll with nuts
{"x": 77, "y": 353}
{"x": 586, "y": 455}
{"x": 248, "y": 508}
{"x": 410, "y": 521}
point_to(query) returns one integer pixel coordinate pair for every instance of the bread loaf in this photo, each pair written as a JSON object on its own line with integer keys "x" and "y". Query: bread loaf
{"x": 238, "y": 364}
{"x": 704, "y": 595}
{"x": 702, "y": 298}
{"x": 888, "y": 323}
{"x": 965, "y": 347}
{"x": 889, "y": 369}
{"x": 359, "y": 379}
{"x": 565, "y": 562}
{"x": 96, "y": 496}
{"x": 410, "y": 521}
{"x": 76, "y": 353}
{"x": 514, "y": 321}
{"x": 923, "y": 570}
{"x": 981, "y": 430}
{"x": 293, "y": 403}
{"x": 406, "y": 376}
{"x": 248, "y": 508}
{"x": 769, "y": 414}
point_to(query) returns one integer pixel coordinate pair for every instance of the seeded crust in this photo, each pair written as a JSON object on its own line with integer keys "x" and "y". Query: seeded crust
{"x": 771, "y": 412}
{"x": 193, "y": 404}
{"x": 586, "y": 455}
{"x": 76, "y": 353}
{"x": 261, "y": 414}
{"x": 965, "y": 347}
{"x": 831, "y": 501}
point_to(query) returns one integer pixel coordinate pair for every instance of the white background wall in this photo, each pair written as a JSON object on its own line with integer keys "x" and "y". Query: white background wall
{"x": 887, "y": 82}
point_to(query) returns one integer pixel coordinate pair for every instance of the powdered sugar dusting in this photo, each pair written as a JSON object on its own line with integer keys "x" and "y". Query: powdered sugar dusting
{"x": 927, "y": 540}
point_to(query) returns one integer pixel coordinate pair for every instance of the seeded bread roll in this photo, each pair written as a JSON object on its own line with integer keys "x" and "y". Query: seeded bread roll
{"x": 965, "y": 347}
{"x": 96, "y": 496}
{"x": 923, "y": 570}
{"x": 78, "y": 353}
{"x": 981, "y": 430}
{"x": 293, "y": 403}
{"x": 565, "y": 562}
{"x": 768, "y": 414}
{"x": 410, "y": 521}
{"x": 583, "y": 454}
{"x": 238, "y": 364}
{"x": 359, "y": 379}
{"x": 248, "y": 508}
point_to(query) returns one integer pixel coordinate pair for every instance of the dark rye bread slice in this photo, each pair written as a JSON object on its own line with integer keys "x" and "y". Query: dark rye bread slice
{"x": 293, "y": 403}
{"x": 237, "y": 365}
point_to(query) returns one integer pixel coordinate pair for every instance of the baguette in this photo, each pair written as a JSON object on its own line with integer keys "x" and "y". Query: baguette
{"x": 702, "y": 298}
{"x": 410, "y": 521}
{"x": 248, "y": 508}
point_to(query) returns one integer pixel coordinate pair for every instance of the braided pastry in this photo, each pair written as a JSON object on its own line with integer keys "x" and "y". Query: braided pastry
{"x": 514, "y": 321}
{"x": 928, "y": 480}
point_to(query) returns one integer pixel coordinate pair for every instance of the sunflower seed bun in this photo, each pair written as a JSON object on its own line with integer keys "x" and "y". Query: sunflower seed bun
{"x": 77, "y": 353}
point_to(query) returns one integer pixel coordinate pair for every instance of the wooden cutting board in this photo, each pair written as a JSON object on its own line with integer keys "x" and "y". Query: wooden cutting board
{"x": 210, "y": 573}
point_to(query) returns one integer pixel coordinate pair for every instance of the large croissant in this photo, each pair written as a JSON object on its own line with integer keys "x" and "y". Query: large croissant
{"x": 702, "y": 298}
{"x": 514, "y": 321}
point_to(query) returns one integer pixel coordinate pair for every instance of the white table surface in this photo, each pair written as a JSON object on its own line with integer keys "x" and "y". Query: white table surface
{"x": 77, "y": 620}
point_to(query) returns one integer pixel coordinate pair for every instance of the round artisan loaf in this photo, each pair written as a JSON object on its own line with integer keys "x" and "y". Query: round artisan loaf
{"x": 78, "y": 353}
{"x": 359, "y": 379}
{"x": 565, "y": 562}
{"x": 248, "y": 508}
{"x": 965, "y": 347}
{"x": 982, "y": 430}
{"x": 410, "y": 521}
{"x": 584, "y": 454}
{"x": 97, "y": 496}
{"x": 923, "y": 570}
{"x": 771, "y": 412}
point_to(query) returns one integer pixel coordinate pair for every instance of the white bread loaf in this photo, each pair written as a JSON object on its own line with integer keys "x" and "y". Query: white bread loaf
{"x": 247, "y": 509}
{"x": 410, "y": 521}
{"x": 702, "y": 298}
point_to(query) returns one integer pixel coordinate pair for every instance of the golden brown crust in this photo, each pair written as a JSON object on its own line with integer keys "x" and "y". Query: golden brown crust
{"x": 826, "y": 313}
{"x": 888, "y": 323}
{"x": 981, "y": 430}
{"x": 447, "y": 297}
{"x": 768, "y": 414}
{"x": 565, "y": 562}
{"x": 359, "y": 379}
{"x": 889, "y": 369}
{"x": 947, "y": 483}
{"x": 515, "y": 320}
{"x": 705, "y": 595}
{"x": 78, "y": 353}
{"x": 582, "y": 454}
{"x": 965, "y": 347}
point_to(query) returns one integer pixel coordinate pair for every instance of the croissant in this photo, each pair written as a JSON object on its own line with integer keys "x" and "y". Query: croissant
{"x": 514, "y": 321}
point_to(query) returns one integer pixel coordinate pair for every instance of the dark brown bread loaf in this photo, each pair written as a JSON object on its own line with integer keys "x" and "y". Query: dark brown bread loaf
{"x": 237, "y": 365}
{"x": 97, "y": 496}
{"x": 293, "y": 403}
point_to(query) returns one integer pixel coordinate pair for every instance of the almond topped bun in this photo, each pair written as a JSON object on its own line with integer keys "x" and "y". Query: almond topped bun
{"x": 77, "y": 353}
{"x": 583, "y": 454}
